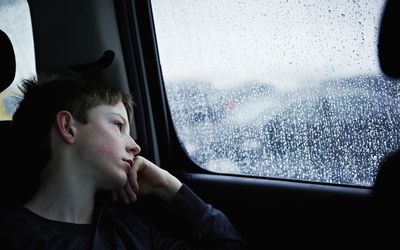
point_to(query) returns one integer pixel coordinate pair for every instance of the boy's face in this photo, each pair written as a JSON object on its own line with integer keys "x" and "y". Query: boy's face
{"x": 105, "y": 146}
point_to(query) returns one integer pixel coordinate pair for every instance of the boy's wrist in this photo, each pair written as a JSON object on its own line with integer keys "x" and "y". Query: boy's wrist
{"x": 168, "y": 191}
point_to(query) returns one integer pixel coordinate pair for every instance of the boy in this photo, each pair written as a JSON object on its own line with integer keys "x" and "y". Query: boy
{"x": 77, "y": 133}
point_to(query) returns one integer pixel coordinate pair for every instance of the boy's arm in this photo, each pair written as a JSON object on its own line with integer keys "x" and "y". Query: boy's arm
{"x": 197, "y": 224}
{"x": 201, "y": 225}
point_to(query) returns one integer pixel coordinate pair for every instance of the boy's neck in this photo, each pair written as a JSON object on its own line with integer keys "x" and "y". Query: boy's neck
{"x": 64, "y": 197}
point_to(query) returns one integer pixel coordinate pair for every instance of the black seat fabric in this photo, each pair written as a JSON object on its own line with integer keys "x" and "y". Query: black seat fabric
{"x": 386, "y": 206}
{"x": 12, "y": 188}
{"x": 387, "y": 183}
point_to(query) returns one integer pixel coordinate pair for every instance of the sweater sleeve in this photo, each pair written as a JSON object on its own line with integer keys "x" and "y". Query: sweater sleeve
{"x": 199, "y": 225}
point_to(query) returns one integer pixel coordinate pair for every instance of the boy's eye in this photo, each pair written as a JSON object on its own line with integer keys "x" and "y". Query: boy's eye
{"x": 119, "y": 125}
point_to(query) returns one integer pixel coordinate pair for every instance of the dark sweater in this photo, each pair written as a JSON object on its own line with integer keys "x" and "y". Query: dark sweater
{"x": 196, "y": 225}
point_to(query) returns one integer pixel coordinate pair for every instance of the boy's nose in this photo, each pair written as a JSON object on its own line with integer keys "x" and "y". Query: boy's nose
{"x": 133, "y": 147}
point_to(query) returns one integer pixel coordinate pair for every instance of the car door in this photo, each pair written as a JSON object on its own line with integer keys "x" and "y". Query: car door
{"x": 306, "y": 181}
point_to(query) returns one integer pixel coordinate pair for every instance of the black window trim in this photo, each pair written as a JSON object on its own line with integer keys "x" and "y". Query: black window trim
{"x": 156, "y": 134}
{"x": 136, "y": 74}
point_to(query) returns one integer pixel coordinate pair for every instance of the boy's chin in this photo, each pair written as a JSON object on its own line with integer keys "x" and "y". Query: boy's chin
{"x": 116, "y": 183}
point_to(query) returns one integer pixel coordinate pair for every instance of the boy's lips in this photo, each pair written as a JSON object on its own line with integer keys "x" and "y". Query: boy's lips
{"x": 130, "y": 163}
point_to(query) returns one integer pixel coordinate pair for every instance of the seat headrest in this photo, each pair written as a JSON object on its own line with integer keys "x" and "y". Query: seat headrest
{"x": 92, "y": 70}
{"x": 389, "y": 40}
{"x": 7, "y": 61}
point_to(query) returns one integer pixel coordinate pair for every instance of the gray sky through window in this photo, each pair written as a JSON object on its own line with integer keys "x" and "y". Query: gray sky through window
{"x": 280, "y": 42}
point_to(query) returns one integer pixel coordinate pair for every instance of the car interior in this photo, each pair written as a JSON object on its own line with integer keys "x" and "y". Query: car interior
{"x": 115, "y": 42}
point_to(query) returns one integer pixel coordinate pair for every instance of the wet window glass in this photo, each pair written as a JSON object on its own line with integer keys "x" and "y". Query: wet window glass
{"x": 280, "y": 89}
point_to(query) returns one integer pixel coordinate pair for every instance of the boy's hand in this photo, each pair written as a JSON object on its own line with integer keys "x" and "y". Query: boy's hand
{"x": 147, "y": 178}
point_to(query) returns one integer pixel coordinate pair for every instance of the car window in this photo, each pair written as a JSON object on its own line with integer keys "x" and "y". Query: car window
{"x": 15, "y": 21}
{"x": 281, "y": 89}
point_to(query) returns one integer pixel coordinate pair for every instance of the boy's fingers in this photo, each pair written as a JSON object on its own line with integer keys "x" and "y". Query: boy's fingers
{"x": 130, "y": 193}
{"x": 132, "y": 179}
{"x": 123, "y": 196}
{"x": 114, "y": 196}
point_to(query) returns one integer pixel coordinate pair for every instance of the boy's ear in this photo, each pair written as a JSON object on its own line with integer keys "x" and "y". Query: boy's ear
{"x": 65, "y": 125}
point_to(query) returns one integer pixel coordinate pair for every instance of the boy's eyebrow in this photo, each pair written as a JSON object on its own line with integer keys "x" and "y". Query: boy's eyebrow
{"x": 118, "y": 114}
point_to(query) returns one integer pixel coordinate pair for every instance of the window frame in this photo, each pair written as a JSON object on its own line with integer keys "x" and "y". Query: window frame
{"x": 169, "y": 153}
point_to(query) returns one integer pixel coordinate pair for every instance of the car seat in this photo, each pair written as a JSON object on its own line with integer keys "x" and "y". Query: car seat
{"x": 389, "y": 40}
{"x": 385, "y": 192}
{"x": 14, "y": 175}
